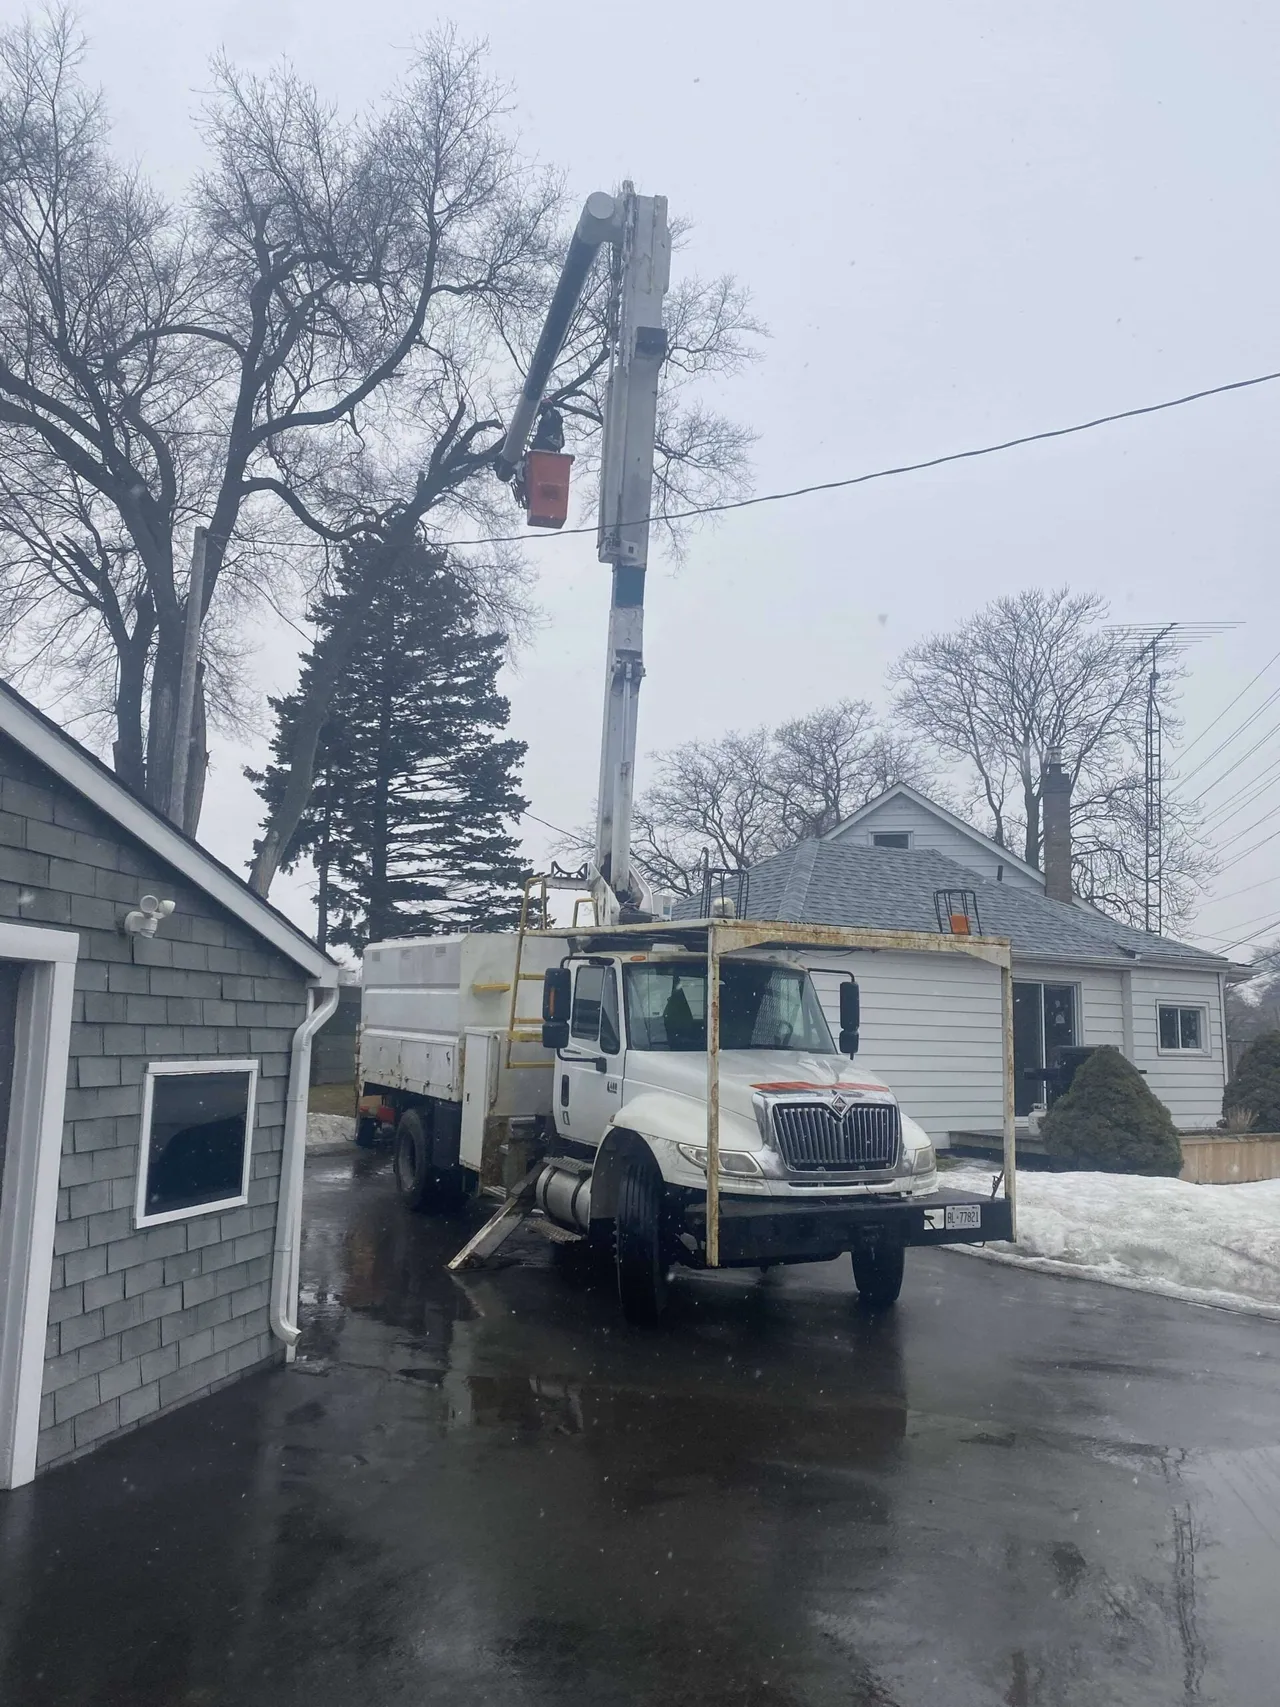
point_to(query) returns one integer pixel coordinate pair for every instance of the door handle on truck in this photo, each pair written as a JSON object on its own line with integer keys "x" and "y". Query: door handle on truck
{"x": 599, "y": 1062}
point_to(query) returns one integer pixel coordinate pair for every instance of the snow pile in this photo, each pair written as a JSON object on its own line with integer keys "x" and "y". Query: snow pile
{"x": 1208, "y": 1244}
{"x": 329, "y": 1134}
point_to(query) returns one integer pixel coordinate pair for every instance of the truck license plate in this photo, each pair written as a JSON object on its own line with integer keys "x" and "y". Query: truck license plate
{"x": 964, "y": 1215}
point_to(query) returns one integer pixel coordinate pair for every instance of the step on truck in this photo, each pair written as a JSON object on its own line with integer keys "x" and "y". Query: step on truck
{"x": 675, "y": 1098}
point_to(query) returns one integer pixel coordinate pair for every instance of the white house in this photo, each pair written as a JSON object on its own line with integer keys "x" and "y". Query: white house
{"x": 931, "y": 1023}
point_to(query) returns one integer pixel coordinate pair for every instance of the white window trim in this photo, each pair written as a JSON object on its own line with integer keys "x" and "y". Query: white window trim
{"x": 171, "y": 1069}
{"x": 29, "y": 1202}
{"x": 1205, "y": 1050}
{"x": 909, "y": 834}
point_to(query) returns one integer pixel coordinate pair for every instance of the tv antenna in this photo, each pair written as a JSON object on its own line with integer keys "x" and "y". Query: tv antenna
{"x": 1158, "y": 643}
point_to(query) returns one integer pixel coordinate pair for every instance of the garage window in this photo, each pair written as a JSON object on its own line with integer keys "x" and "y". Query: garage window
{"x": 1182, "y": 1030}
{"x": 197, "y": 1134}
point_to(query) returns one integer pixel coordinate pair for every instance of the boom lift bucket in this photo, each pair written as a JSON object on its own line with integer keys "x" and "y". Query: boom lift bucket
{"x": 546, "y": 488}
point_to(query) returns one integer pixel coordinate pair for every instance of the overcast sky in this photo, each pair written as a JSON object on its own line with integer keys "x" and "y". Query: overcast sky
{"x": 960, "y": 223}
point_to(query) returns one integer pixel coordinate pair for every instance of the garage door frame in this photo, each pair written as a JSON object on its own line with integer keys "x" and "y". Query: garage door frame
{"x": 29, "y": 1195}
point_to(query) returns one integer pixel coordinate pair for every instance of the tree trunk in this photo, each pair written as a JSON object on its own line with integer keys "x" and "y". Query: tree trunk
{"x": 326, "y": 668}
{"x": 129, "y": 754}
{"x": 1031, "y": 810}
{"x": 162, "y": 718}
{"x": 197, "y": 758}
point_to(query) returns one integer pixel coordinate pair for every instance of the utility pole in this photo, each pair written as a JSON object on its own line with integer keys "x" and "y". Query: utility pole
{"x": 185, "y": 710}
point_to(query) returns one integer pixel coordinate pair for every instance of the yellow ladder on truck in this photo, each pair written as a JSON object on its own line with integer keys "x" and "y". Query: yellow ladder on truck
{"x": 535, "y": 905}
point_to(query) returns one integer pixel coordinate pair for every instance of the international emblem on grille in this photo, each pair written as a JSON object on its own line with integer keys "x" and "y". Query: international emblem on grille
{"x": 837, "y": 1135}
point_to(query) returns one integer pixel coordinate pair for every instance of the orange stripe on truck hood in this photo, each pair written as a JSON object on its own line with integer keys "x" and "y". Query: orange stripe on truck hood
{"x": 808, "y": 1085}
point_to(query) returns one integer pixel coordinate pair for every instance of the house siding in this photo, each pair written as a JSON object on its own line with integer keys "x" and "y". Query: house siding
{"x": 931, "y": 1028}
{"x": 1190, "y": 1086}
{"x": 141, "y": 1320}
{"x": 927, "y": 830}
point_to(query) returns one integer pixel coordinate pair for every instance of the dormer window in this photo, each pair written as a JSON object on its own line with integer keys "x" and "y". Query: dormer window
{"x": 891, "y": 838}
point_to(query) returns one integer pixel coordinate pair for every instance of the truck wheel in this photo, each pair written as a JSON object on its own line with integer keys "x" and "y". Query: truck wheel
{"x": 638, "y": 1242}
{"x": 878, "y": 1274}
{"x": 421, "y": 1186}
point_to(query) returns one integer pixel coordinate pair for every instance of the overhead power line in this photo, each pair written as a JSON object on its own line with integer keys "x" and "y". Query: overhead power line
{"x": 1239, "y": 835}
{"x": 1253, "y": 935}
{"x": 1245, "y": 852}
{"x": 1229, "y": 706}
{"x": 1263, "y": 740}
{"x": 1247, "y": 890}
{"x": 1239, "y": 925}
{"x": 546, "y": 825}
{"x": 1226, "y": 741}
{"x": 1252, "y": 791}
{"x": 910, "y": 467}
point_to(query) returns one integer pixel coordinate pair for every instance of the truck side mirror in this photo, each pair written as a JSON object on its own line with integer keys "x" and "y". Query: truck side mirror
{"x": 850, "y": 1016}
{"x": 557, "y": 993}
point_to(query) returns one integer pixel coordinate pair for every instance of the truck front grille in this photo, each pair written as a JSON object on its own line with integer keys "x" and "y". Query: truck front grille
{"x": 811, "y": 1137}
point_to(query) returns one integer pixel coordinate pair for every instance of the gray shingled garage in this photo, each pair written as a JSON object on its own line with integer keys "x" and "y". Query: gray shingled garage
{"x": 153, "y": 1076}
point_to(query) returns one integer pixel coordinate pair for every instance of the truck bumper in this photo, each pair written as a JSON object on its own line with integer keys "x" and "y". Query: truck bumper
{"x": 755, "y": 1231}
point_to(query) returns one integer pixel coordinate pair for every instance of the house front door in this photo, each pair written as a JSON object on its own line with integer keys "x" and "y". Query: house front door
{"x": 1028, "y": 1046}
{"x": 1044, "y": 1021}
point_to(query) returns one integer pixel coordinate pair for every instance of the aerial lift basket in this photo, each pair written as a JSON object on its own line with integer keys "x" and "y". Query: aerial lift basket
{"x": 546, "y": 488}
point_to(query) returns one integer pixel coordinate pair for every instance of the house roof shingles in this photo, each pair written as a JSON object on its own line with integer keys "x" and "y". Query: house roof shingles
{"x": 835, "y": 883}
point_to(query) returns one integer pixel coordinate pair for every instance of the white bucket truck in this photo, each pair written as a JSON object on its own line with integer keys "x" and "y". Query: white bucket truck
{"x": 679, "y": 1098}
{"x": 636, "y": 1117}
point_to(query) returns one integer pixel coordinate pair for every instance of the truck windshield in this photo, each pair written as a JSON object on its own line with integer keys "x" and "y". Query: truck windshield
{"x": 761, "y": 1007}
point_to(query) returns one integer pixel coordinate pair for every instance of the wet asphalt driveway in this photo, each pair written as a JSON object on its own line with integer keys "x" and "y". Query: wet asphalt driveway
{"x": 1013, "y": 1490}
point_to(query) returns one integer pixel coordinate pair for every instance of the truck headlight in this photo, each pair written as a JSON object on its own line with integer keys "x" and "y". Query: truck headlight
{"x": 925, "y": 1160}
{"x": 731, "y": 1161}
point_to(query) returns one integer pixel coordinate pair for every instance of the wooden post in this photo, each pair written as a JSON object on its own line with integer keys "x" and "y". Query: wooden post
{"x": 713, "y": 1097}
{"x": 1010, "y": 1128}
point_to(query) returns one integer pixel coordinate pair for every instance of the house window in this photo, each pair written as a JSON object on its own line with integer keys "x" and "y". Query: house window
{"x": 197, "y": 1134}
{"x": 891, "y": 838}
{"x": 1045, "y": 1019}
{"x": 1182, "y": 1029}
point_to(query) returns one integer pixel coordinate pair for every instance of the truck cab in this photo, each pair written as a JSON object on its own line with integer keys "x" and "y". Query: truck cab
{"x": 636, "y": 1057}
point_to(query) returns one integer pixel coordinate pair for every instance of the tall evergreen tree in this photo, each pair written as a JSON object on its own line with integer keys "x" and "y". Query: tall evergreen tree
{"x": 414, "y": 789}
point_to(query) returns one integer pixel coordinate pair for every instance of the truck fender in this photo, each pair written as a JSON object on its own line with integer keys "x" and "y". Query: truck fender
{"x": 618, "y": 1145}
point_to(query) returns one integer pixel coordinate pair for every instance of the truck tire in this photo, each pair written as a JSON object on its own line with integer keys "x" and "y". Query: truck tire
{"x": 639, "y": 1246}
{"x": 422, "y": 1187}
{"x": 878, "y": 1274}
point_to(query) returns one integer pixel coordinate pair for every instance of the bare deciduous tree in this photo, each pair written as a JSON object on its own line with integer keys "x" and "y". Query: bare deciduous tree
{"x": 1253, "y": 1007}
{"x": 737, "y": 800}
{"x": 316, "y": 348}
{"x": 1036, "y": 672}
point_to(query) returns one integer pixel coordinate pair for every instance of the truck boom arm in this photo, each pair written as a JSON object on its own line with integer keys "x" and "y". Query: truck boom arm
{"x": 636, "y": 226}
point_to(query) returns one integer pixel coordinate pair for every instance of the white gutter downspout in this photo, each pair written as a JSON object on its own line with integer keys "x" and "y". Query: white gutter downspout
{"x": 284, "y": 1299}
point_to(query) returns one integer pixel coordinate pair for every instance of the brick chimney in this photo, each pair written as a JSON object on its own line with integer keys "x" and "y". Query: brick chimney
{"x": 1056, "y": 810}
